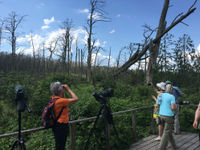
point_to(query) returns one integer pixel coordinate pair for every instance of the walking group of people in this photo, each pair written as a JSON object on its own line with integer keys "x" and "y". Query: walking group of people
{"x": 167, "y": 118}
{"x": 167, "y": 113}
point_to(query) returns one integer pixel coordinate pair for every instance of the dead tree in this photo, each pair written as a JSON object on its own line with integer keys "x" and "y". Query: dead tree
{"x": 109, "y": 57}
{"x": 33, "y": 46}
{"x": 118, "y": 57}
{"x": 52, "y": 48}
{"x": 155, "y": 42}
{"x": 1, "y": 29}
{"x": 66, "y": 42}
{"x": 154, "y": 48}
{"x": 12, "y": 22}
{"x": 97, "y": 14}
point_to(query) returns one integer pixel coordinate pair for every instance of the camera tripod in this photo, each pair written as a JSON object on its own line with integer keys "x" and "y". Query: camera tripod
{"x": 19, "y": 141}
{"x": 21, "y": 106}
{"x": 108, "y": 120}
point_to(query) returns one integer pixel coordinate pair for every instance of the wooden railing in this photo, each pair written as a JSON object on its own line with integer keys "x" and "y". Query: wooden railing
{"x": 74, "y": 122}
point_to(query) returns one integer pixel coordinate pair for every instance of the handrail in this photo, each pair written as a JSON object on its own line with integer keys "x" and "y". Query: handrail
{"x": 73, "y": 122}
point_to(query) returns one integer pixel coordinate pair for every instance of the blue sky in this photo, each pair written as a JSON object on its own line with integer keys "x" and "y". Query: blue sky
{"x": 127, "y": 18}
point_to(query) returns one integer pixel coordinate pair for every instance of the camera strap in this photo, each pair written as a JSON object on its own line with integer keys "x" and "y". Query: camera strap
{"x": 59, "y": 114}
{"x": 56, "y": 119}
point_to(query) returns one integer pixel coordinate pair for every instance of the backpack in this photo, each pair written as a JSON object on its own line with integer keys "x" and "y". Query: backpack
{"x": 48, "y": 117}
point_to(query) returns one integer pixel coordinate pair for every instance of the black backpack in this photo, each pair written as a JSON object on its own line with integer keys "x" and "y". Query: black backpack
{"x": 48, "y": 117}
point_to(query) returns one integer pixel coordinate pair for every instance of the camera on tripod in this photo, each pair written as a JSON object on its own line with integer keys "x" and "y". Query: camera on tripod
{"x": 184, "y": 102}
{"x": 21, "y": 99}
{"x": 102, "y": 97}
{"x": 106, "y": 114}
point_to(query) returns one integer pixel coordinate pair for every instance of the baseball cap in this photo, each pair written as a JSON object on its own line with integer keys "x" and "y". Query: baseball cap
{"x": 168, "y": 82}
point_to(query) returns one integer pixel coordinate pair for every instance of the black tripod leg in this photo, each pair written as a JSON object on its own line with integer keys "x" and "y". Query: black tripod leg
{"x": 94, "y": 126}
{"x": 22, "y": 145}
{"x": 14, "y": 144}
{"x": 107, "y": 132}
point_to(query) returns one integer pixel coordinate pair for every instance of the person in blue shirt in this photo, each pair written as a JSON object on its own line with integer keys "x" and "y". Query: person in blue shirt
{"x": 167, "y": 106}
{"x": 159, "y": 91}
{"x": 174, "y": 90}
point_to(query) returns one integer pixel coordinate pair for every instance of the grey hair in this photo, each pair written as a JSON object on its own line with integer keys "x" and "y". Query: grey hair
{"x": 55, "y": 88}
{"x": 168, "y": 88}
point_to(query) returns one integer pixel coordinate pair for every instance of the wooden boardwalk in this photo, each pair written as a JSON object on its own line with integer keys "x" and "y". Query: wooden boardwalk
{"x": 184, "y": 141}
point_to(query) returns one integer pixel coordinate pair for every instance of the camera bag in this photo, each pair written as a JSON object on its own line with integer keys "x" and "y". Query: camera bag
{"x": 48, "y": 117}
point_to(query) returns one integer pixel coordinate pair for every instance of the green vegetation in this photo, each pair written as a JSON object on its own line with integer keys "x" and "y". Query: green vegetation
{"x": 126, "y": 96}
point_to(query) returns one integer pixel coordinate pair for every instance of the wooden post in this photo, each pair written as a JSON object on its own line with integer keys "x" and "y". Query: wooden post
{"x": 72, "y": 137}
{"x": 134, "y": 124}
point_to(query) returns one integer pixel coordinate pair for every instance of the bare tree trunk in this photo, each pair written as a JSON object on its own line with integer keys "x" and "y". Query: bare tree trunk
{"x": 11, "y": 24}
{"x": 109, "y": 57}
{"x": 1, "y": 29}
{"x": 82, "y": 57}
{"x": 154, "y": 49}
{"x": 95, "y": 8}
{"x": 137, "y": 56}
{"x": 43, "y": 59}
{"x": 76, "y": 57}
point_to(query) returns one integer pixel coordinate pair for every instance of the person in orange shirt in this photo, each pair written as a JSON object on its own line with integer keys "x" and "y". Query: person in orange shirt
{"x": 61, "y": 106}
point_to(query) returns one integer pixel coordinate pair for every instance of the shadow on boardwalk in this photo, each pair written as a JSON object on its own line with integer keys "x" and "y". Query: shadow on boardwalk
{"x": 184, "y": 141}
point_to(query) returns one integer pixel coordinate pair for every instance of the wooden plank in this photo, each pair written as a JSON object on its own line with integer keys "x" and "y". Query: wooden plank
{"x": 142, "y": 141}
{"x": 190, "y": 143}
{"x": 144, "y": 144}
{"x": 184, "y": 141}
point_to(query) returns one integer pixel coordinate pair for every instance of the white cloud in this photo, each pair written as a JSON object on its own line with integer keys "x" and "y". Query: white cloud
{"x": 97, "y": 43}
{"x": 28, "y": 49}
{"x": 48, "y": 21}
{"x": 23, "y": 50}
{"x": 80, "y": 35}
{"x": 112, "y": 31}
{"x": 102, "y": 59}
{"x": 45, "y": 27}
{"x": 83, "y": 11}
{"x": 96, "y": 16}
{"x": 198, "y": 48}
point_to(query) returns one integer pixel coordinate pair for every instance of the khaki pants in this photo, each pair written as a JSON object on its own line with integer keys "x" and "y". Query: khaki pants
{"x": 167, "y": 136}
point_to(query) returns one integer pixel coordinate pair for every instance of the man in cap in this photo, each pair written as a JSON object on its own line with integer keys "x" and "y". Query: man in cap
{"x": 174, "y": 90}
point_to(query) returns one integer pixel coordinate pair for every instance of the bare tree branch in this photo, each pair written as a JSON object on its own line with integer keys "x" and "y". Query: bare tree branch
{"x": 193, "y": 5}
{"x": 138, "y": 55}
{"x": 11, "y": 24}
{"x": 177, "y": 17}
{"x": 184, "y": 23}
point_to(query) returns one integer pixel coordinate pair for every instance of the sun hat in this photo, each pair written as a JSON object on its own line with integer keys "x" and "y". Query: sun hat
{"x": 161, "y": 85}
